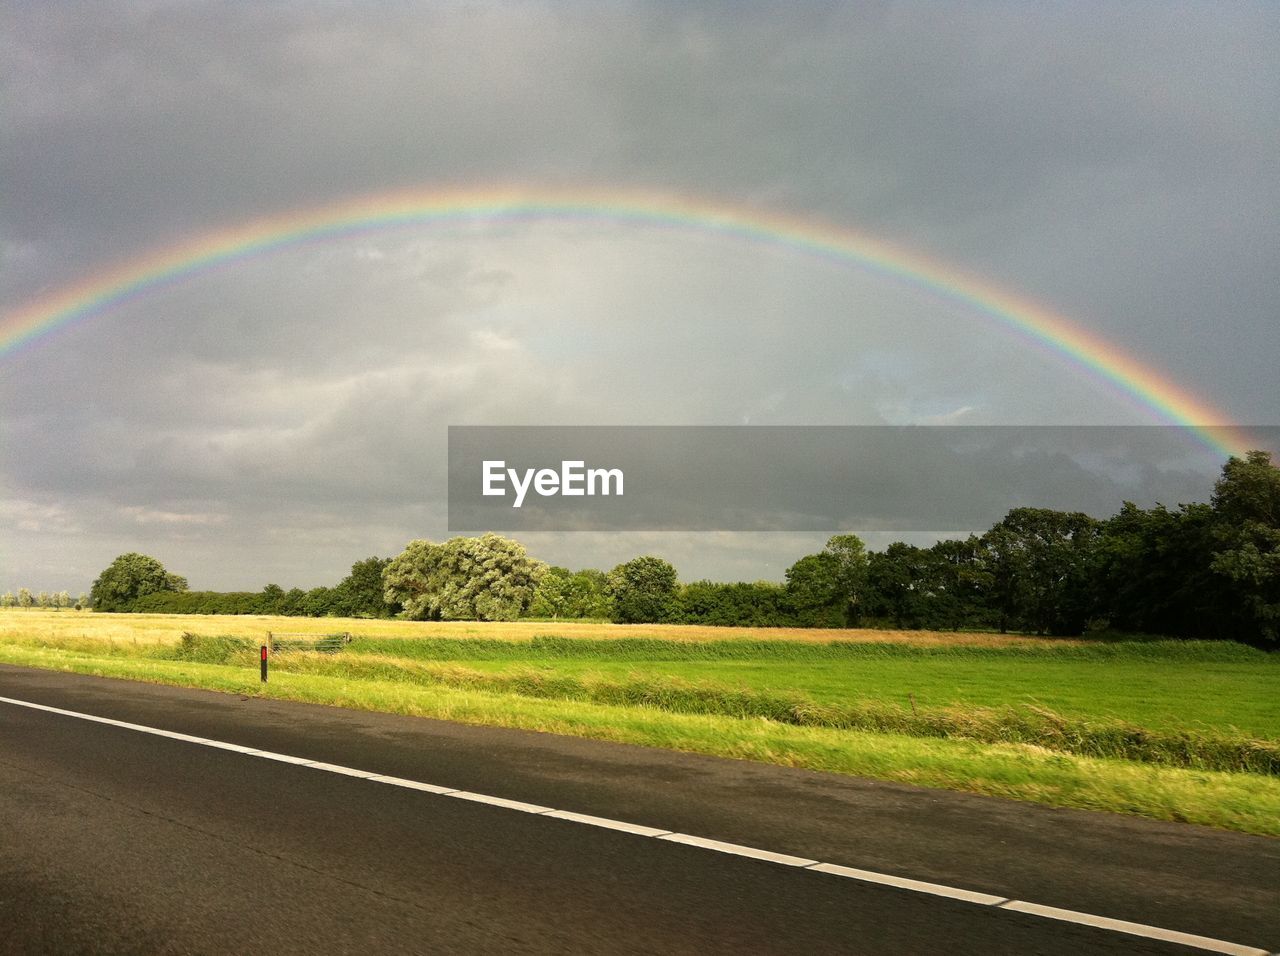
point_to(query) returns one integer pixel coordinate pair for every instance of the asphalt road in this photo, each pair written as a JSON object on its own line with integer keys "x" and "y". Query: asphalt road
{"x": 114, "y": 841}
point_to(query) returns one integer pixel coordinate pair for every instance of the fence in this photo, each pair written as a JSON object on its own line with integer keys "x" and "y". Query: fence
{"x": 285, "y": 641}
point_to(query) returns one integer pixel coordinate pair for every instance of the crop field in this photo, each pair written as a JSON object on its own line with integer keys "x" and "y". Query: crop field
{"x": 168, "y": 628}
{"x": 1171, "y": 729}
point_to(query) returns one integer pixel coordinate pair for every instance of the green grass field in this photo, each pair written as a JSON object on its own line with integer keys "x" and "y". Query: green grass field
{"x": 1174, "y": 730}
{"x": 1165, "y": 685}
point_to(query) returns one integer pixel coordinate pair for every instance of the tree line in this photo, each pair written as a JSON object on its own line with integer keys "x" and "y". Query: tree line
{"x": 140, "y": 584}
{"x": 53, "y": 599}
{"x": 1207, "y": 570}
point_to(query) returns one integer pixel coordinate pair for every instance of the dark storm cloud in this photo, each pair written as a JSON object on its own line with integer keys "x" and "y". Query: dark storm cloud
{"x": 890, "y": 113}
{"x": 1118, "y": 162}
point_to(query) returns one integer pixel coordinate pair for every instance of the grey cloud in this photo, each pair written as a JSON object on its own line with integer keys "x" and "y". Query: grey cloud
{"x": 288, "y": 413}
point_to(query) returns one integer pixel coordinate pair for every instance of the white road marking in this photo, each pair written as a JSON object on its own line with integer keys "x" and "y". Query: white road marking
{"x": 737, "y": 849}
{"x": 1133, "y": 929}
{"x": 607, "y": 824}
{"x": 411, "y": 784}
{"x": 916, "y": 886}
{"x": 338, "y": 768}
{"x": 236, "y": 748}
{"x": 498, "y": 802}
{"x": 268, "y": 755}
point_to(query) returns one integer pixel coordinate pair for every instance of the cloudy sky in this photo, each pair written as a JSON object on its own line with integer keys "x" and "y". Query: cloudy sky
{"x": 283, "y": 416}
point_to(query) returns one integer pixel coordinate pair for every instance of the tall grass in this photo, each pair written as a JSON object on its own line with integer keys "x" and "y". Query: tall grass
{"x": 215, "y": 649}
{"x": 433, "y": 661}
{"x": 1025, "y": 724}
{"x": 554, "y": 648}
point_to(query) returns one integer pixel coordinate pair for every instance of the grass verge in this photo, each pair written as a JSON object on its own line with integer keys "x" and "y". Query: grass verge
{"x": 1214, "y": 689}
{"x": 1026, "y": 724}
{"x": 555, "y": 648}
{"x": 1245, "y": 802}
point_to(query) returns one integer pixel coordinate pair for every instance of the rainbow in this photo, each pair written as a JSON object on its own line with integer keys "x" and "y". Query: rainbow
{"x": 1162, "y": 399}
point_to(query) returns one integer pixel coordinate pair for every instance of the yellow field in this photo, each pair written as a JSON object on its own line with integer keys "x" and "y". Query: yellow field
{"x": 168, "y": 628}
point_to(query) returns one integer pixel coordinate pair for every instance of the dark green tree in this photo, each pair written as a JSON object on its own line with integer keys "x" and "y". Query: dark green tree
{"x": 1249, "y": 490}
{"x": 850, "y": 556}
{"x": 320, "y": 602}
{"x": 1041, "y": 561}
{"x": 1152, "y": 572}
{"x": 572, "y": 594}
{"x": 644, "y": 590}
{"x": 963, "y": 585}
{"x": 902, "y": 586}
{"x": 272, "y": 599}
{"x": 129, "y": 577}
{"x": 291, "y": 604}
{"x": 739, "y": 604}
{"x": 1246, "y": 504}
{"x": 827, "y": 589}
{"x": 813, "y": 591}
{"x": 362, "y": 594}
{"x": 589, "y": 595}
